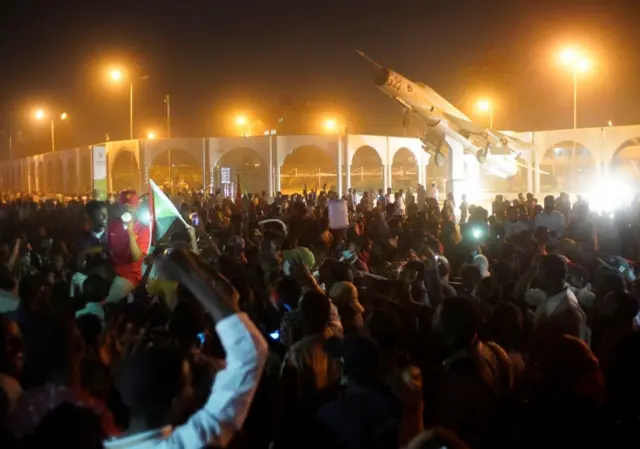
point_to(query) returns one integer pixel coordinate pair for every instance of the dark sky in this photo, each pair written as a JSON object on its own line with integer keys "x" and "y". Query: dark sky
{"x": 217, "y": 58}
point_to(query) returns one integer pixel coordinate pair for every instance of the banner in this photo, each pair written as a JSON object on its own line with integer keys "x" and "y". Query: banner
{"x": 99, "y": 171}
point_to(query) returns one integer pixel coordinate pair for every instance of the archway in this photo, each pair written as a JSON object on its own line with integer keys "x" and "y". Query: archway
{"x": 569, "y": 166}
{"x": 185, "y": 172}
{"x": 366, "y": 170}
{"x": 625, "y": 164}
{"x": 125, "y": 173}
{"x": 310, "y": 165}
{"x": 246, "y": 163}
{"x": 404, "y": 170}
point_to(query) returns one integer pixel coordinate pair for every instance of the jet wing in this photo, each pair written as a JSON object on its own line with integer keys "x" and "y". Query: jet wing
{"x": 464, "y": 126}
{"x": 519, "y": 143}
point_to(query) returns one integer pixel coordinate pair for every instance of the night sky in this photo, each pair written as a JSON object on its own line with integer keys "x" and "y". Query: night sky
{"x": 283, "y": 57}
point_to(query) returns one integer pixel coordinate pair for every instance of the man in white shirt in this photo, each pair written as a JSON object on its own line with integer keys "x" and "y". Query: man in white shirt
{"x": 233, "y": 388}
{"x": 433, "y": 191}
{"x": 556, "y": 306}
{"x": 551, "y": 219}
{"x": 514, "y": 226}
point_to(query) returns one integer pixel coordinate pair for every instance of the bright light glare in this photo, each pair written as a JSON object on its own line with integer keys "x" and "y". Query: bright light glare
{"x": 63, "y": 116}
{"x": 583, "y": 65}
{"x": 241, "y": 120}
{"x": 39, "y": 114}
{"x": 144, "y": 217}
{"x": 151, "y": 135}
{"x": 116, "y": 75}
{"x": 568, "y": 56}
{"x": 484, "y": 105}
{"x": 330, "y": 125}
{"x": 610, "y": 195}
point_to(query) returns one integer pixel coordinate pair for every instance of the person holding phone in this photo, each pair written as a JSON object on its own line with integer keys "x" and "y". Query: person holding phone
{"x": 233, "y": 388}
{"x": 128, "y": 241}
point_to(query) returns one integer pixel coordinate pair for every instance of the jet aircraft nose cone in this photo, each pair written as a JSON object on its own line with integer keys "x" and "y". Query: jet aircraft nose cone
{"x": 380, "y": 74}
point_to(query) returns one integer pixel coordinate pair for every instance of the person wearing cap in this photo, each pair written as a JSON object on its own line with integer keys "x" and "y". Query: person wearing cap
{"x": 345, "y": 297}
{"x": 129, "y": 241}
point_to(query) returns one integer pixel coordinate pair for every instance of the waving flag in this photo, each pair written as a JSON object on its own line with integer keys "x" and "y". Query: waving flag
{"x": 163, "y": 214}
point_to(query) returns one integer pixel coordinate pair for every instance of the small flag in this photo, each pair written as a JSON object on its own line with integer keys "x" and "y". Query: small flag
{"x": 163, "y": 213}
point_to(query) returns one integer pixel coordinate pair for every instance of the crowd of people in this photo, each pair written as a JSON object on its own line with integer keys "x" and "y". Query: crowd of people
{"x": 256, "y": 322}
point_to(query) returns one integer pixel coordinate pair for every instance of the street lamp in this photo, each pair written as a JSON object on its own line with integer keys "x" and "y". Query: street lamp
{"x": 118, "y": 76}
{"x": 577, "y": 63}
{"x": 485, "y": 106}
{"x": 41, "y": 115}
{"x": 330, "y": 125}
{"x": 151, "y": 135}
{"x": 245, "y": 124}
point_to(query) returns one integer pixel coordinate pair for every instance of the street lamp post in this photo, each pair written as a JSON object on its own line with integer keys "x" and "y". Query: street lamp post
{"x": 41, "y": 115}
{"x": 117, "y": 76}
{"x": 167, "y": 100}
{"x": 576, "y": 63}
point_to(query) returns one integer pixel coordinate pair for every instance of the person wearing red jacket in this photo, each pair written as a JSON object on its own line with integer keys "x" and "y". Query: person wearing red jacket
{"x": 128, "y": 241}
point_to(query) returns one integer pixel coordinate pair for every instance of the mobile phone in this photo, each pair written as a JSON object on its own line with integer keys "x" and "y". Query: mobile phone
{"x": 195, "y": 219}
{"x": 275, "y": 335}
{"x": 126, "y": 217}
{"x": 201, "y": 337}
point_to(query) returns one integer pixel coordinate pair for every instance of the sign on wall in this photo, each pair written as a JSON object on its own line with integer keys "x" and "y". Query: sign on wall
{"x": 99, "y": 171}
{"x": 225, "y": 175}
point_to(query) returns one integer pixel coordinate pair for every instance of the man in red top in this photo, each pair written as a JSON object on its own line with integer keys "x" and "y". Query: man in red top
{"x": 128, "y": 244}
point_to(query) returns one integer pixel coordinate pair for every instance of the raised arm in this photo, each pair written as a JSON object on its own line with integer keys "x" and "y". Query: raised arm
{"x": 234, "y": 387}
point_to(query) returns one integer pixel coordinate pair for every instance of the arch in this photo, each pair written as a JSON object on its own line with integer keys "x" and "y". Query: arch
{"x": 125, "y": 173}
{"x": 569, "y": 165}
{"x": 307, "y": 164}
{"x": 186, "y": 171}
{"x": 625, "y": 162}
{"x": 366, "y": 169}
{"x": 404, "y": 169}
{"x": 247, "y": 163}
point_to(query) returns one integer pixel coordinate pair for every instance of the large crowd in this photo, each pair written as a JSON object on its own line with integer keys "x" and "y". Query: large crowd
{"x": 256, "y": 322}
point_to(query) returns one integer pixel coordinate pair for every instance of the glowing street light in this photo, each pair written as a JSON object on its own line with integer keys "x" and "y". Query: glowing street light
{"x": 151, "y": 135}
{"x": 330, "y": 125}
{"x": 245, "y": 125}
{"x": 577, "y": 63}
{"x": 485, "y": 106}
{"x": 40, "y": 115}
{"x": 117, "y": 76}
